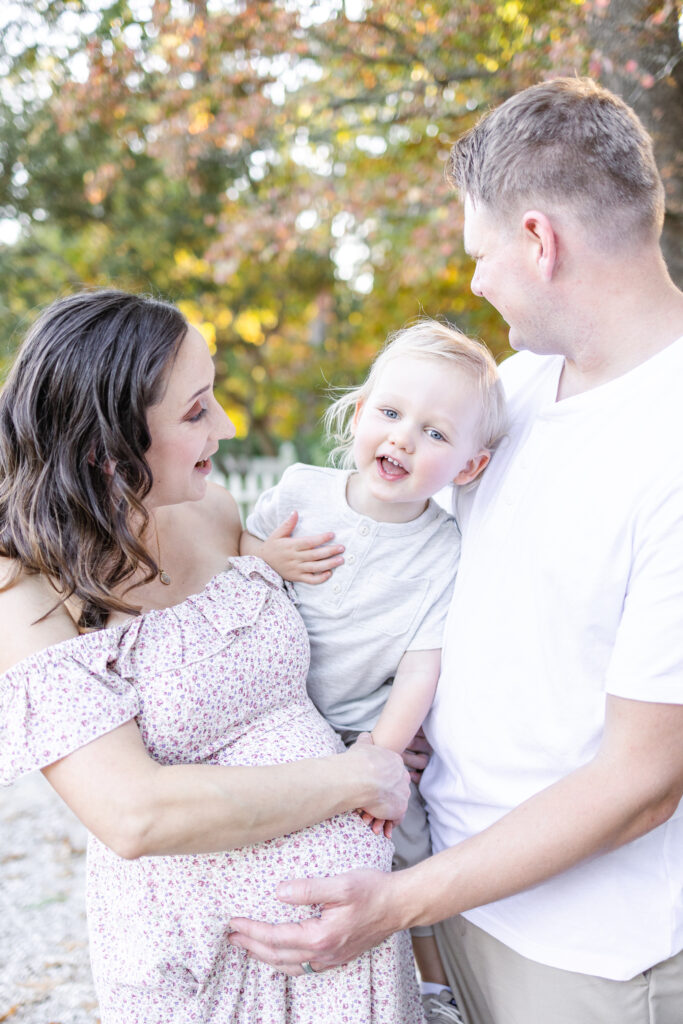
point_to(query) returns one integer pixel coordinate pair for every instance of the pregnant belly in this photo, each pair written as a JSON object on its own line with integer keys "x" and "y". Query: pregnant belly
{"x": 163, "y": 914}
{"x": 172, "y": 908}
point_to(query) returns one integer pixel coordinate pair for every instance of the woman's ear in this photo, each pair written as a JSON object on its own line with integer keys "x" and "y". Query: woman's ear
{"x": 473, "y": 468}
{"x": 108, "y": 466}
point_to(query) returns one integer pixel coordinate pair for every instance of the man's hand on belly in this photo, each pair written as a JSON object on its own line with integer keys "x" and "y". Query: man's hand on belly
{"x": 358, "y": 912}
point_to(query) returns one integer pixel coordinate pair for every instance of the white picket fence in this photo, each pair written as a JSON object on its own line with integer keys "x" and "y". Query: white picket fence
{"x": 247, "y": 478}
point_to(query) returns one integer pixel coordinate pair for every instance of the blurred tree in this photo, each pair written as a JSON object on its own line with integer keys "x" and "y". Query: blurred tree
{"x": 637, "y": 53}
{"x": 276, "y": 167}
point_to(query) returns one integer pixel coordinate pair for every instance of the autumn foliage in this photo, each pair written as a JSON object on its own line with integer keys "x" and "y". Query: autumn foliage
{"x": 275, "y": 168}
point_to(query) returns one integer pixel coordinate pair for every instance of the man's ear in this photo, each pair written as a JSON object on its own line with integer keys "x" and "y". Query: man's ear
{"x": 474, "y": 467}
{"x": 540, "y": 233}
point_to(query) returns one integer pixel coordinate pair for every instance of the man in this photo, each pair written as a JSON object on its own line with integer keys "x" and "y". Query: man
{"x": 556, "y": 781}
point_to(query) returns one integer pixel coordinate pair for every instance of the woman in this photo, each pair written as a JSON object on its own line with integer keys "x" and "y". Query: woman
{"x": 158, "y": 681}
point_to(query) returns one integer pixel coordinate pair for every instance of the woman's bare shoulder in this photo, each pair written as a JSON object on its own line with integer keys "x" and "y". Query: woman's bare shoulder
{"x": 29, "y": 620}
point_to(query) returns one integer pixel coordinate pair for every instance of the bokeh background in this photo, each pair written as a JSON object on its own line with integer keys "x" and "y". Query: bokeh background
{"x": 276, "y": 168}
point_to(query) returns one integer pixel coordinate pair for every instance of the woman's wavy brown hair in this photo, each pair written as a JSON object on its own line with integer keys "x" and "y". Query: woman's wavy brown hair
{"x": 73, "y": 437}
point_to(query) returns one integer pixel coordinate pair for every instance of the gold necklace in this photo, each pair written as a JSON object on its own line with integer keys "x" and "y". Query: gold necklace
{"x": 163, "y": 575}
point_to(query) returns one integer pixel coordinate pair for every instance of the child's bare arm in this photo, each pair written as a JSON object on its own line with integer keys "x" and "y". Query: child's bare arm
{"x": 411, "y": 696}
{"x": 297, "y": 559}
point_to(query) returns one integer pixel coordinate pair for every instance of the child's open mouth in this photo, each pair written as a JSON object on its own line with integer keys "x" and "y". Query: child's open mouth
{"x": 390, "y": 468}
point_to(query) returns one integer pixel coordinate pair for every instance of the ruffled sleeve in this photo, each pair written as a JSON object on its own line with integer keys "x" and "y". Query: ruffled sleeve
{"x": 59, "y": 699}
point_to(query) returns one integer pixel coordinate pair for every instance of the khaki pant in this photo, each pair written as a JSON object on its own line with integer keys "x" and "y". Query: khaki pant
{"x": 495, "y": 985}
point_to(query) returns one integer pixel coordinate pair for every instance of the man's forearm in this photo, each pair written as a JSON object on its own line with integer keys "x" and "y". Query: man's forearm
{"x": 620, "y": 795}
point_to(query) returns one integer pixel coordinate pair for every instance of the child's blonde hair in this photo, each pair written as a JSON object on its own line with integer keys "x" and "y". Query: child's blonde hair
{"x": 432, "y": 339}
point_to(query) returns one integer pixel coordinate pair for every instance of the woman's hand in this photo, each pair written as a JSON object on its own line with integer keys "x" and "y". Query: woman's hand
{"x": 387, "y": 775}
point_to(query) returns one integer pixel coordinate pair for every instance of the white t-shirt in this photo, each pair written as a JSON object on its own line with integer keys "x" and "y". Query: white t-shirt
{"x": 570, "y": 586}
{"x": 390, "y": 596}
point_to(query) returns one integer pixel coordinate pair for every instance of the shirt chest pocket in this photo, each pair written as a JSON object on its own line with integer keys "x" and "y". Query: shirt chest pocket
{"x": 387, "y": 605}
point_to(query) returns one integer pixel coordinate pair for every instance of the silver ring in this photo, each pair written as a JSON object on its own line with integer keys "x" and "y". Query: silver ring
{"x": 306, "y": 967}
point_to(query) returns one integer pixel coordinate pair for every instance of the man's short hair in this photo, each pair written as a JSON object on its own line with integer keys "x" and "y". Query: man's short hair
{"x": 571, "y": 143}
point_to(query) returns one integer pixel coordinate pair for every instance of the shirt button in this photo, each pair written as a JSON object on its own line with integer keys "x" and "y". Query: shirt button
{"x": 336, "y": 588}
{"x": 351, "y": 559}
{"x": 364, "y": 530}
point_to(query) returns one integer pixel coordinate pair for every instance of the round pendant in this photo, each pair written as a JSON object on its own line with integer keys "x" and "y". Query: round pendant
{"x": 165, "y": 578}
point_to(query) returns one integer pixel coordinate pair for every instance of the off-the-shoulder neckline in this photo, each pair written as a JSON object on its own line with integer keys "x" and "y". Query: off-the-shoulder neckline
{"x": 85, "y": 639}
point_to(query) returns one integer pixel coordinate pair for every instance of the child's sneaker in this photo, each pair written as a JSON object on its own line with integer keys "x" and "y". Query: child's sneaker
{"x": 441, "y": 1008}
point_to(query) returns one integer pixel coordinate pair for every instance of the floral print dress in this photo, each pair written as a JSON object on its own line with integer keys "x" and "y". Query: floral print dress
{"x": 218, "y": 679}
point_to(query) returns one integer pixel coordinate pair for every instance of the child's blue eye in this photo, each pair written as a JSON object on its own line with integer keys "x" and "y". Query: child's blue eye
{"x": 390, "y": 413}
{"x": 435, "y": 435}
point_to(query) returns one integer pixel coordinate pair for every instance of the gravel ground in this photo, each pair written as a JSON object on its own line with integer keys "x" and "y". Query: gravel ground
{"x": 44, "y": 967}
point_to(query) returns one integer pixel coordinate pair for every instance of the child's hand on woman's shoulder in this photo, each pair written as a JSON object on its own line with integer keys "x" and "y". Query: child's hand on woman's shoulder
{"x": 297, "y": 559}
